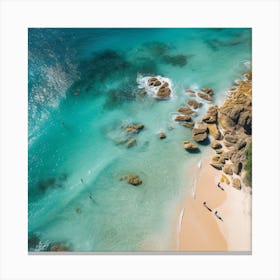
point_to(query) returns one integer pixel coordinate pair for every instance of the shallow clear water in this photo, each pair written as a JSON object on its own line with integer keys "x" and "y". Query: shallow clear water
{"x": 82, "y": 89}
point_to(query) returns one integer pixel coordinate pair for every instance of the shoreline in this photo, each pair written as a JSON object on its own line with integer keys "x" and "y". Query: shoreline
{"x": 199, "y": 230}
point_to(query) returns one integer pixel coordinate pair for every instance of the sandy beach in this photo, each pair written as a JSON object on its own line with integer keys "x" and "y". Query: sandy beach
{"x": 201, "y": 230}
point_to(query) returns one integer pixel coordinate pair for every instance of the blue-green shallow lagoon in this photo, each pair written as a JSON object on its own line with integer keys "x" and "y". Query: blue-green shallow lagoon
{"x": 83, "y": 90}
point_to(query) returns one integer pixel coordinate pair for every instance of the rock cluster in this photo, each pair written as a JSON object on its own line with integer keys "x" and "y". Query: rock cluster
{"x": 134, "y": 128}
{"x": 195, "y": 104}
{"x": 185, "y": 110}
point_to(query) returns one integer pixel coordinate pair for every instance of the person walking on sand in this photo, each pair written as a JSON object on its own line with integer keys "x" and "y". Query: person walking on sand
{"x": 204, "y": 204}
{"x": 219, "y": 217}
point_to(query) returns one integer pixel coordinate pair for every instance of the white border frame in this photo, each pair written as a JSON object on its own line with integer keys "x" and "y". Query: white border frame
{"x": 17, "y": 16}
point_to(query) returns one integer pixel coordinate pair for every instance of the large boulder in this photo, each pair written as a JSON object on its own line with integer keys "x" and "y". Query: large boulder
{"x": 205, "y": 96}
{"x": 190, "y": 146}
{"x": 195, "y": 104}
{"x": 164, "y": 91}
{"x": 185, "y": 110}
{"x": 200, "y": 133}
{"x": 211, "y": 115}
{"x": 154, "y": 82}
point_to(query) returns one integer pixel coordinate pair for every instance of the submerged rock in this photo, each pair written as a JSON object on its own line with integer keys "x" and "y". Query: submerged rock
{"x": 182, "y": 118}
{"x": 190, "y": 146}
{"x": 59, "y": 247}
{"x": 191, "y": 92}
{"x": 132, "y": 179}
{"x": 131, "y": 142}
{"x": 134, "y": 128}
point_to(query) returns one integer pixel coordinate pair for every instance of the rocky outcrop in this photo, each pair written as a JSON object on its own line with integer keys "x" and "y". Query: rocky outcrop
{"x": 195, "y": 104}
{"x": 190, "y": 146}
{"x": 236, "y": 112}
{"x": 200, "y": 133}
{"x": 185, "y": 110}
{"x": 162, "y": 135}
{"x": 205, "y": 96}
{"x": 182, "y": 118}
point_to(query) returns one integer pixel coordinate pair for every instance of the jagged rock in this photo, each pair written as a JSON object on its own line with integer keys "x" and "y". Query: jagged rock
{"x": 162, "y": 135}
{"x": 59, "y": 248}
{"x": 154, "y": 82}
{"x": 182, "y": 118}
{"x": 214, "y": 131}
{"x": 215, "y": 145}
{"x": 236, "y": 183}
{"x": 132, "y": 179}
{"x": 185, "y": 110}
{"x": 219, "y": 151}
{"x": 245, "y": 121}
{"x": 195, "y": 104}
{"x": 188, "y": 124}
{"x": 205, "y": 96}
{"x": 135, "y": 128}
{"x": 208, "y": 90}
{"x": 131, "y": 142}
{"x": 228, "y": 169}
{"x": 200, "y": 133}
{"x": 224, "y": 179}
{"x": 190, "y": 146}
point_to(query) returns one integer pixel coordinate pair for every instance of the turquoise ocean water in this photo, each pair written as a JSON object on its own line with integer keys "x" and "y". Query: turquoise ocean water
{"x": 83, "y": 87}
